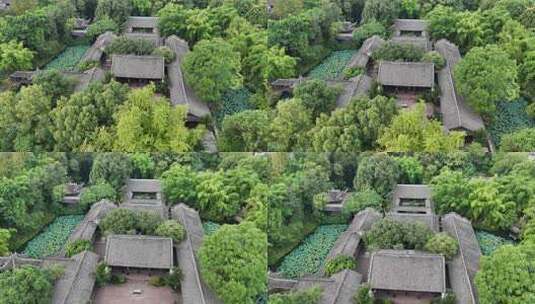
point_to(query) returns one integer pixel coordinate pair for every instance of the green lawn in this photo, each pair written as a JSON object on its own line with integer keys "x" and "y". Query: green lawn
{"x": 310, "y": 255}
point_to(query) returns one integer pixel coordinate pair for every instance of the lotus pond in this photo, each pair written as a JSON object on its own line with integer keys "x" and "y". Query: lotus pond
{"x": 510, "y": 117}
{"x": 309, "y": 256}
{"x": 333, "y": 66}
{"x": 210, "y": 227}
{"x": 489, "y": 242}
{"x": 68, "y": 59}
{"x": 234, "y": 101}
{"x": 53, "y": 238}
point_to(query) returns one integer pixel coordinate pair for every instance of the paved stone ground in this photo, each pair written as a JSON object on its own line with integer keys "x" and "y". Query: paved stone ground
{"x": 122, "y": 294}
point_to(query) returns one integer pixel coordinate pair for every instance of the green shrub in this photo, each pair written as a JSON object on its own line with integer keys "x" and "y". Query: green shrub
{"x": 363, "y": 295}
{"x": 339, "y": 263}
{"x": 307, "y": 296}
{"x": 368, "y": 30}
{"x": 96, "y": 193}
{"x": 179, "y": 183}
{"x": 156, "y": 281}
{"x": 411, "y": 170}
{"x": 352, "y": 72}
{"x": 117, "y": 279}
{"x": 359, "y": 201}
{"x": 143, "y": 166}
{"x": 172, "y": 229}
{"x": 77, "y": 246}
{"x": 448, "y": 299}
{"x": 119, "y": 221}
{"x": 391, "y": 51}
{"x": 173, "y": 278}
{"x": 442, "y": 243}
{"x": 125, "y": 45}
{"x": 390, "y": 234}
{"x": 102, "y": 274}
{"x": 88, "y": 65}
{"x": 100, "y": 27}
{"x": 309, "y": 256}
{"x": 166, "y": 53}
{"x": 436, "y": 58}
{"x": 519, "y": 141}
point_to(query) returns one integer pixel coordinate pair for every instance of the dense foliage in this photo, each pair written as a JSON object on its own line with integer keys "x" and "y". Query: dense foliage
{"x": 339, "y": 263}
{"x": 390, "y": 234}
{"x": 77, "y": 247}
{"x": 28, "y": 284}
{"x": 307, "y": 296}
{"x": 235, "y": 274}
{"x": 53, "y": 238}
{"x": 506, "y": 275}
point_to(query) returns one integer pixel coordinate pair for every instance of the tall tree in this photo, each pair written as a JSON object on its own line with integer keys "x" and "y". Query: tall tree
{"x": 486, "y": 76}
{"x": 412, "y": 131}
{"x": 290, "y": 125}
{"x": 506, "y": 276}
{"x": 355, "y": 127}
{"x": 149, "y": 123}
{"x": 14, "y": 56}
{"x": 212, "y": 68}
{"x": 233, "y": 262}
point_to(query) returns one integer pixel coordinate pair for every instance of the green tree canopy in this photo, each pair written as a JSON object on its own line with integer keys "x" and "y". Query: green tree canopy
{"x": 378, "y": 172}
{"x": 289, "y": 126}
{"x": 317, "y": 97}
{"x": 410, "y": 130}
{"x": 486, "y": 76}
{"x": 77, "y": 118}
{"x": 245, "y": 131}
{"x": 233, "y": 262}
{"x": 355, "y": 127}
{"x": 506, "y": 276}
{"x": 113, "y": 168}
{"x": 27, "y": 284}
{"x": 146, "y": 122}
{"x": 14, "y": 56}
{"x": 212, "y": 68}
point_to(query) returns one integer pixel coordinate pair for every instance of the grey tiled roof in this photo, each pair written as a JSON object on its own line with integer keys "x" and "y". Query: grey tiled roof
{"x": 357, "y": 86}
{"x": 348, "y": 242}
{"x": 76, "y": 284}
{"x": 87, "y": 228}
{"x": 419, "y": 42}
{"x": 429, "y": 220}
{"x": 97, "y": 49}
{"x": 338, "y": 289}
{"x": 138, "y": 67}
{"x": 15, "y": 260}
{"x": 139, "y": 251}
{"x": 194, "y": 290}
{"x": 406, "y": 74}
{"x": 456, "y": 114}
{"x": 407, "y": 270}
{"x": 141, "y": 22}
{"x": 361, "y": 58}
{"x": 463, "y": 267}
{"x": 411, "y": 25}
{"x": 180, "y": 91}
